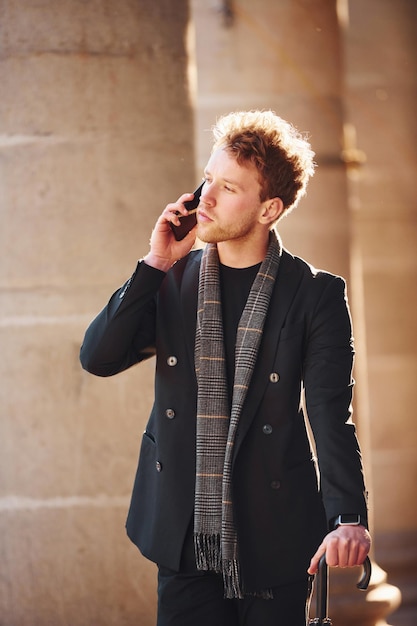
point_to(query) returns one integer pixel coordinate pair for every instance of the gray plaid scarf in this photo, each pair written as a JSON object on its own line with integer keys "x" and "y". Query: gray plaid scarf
{"x": 215, "y": 536}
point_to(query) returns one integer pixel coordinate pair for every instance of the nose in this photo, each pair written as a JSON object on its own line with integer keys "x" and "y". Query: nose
{"x": 207, "y": 193}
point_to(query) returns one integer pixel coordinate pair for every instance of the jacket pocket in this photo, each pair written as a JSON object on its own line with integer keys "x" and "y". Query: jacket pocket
{"x": 150, "y": 436}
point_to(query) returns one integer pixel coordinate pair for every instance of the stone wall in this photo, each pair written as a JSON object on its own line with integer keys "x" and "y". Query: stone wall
{"x": 96, "y": 136}
{"x": 381, "y": 92}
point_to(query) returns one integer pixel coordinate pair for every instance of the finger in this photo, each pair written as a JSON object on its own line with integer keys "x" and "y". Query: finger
{"x": 332, "y": 553}
{"x": 353, "y": 555}
{"x": 172, "y": 213}
{"x": 314, "y": 563}
{"x": 186, "y": 197}
{"x": 343, "y": 554}
{"x": 361, "y": 554}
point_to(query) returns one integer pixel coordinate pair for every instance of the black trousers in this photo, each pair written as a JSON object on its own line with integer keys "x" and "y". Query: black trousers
{"x": 194, "y": 598}
{"x": 197, "y": 600}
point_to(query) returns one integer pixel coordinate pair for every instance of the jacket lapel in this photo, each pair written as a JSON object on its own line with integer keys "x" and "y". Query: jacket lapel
{"x": 189, "y": 299}
{"x": 286, "y": 286}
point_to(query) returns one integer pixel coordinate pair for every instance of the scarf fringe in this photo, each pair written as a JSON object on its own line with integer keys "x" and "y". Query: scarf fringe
{"x": 266, "y": 594}
{"x": 231, "y": 579}
{"x": 208, "y": 558}
{"x": 208, "y": 552}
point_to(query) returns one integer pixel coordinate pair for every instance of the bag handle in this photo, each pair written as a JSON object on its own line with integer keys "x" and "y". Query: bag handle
{"x": 322, "y": 591}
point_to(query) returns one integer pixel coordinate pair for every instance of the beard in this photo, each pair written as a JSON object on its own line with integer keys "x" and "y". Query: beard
{"x": 215, "y": 233}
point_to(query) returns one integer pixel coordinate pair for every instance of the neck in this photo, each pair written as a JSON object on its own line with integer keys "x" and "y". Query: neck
{"x": 239, "y": 254}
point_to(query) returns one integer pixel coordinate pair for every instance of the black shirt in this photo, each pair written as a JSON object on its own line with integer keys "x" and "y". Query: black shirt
{"x": 235, "y": 284}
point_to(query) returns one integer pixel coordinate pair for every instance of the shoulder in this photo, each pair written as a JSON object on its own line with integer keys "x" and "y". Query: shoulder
{"x": 308, "y": 272}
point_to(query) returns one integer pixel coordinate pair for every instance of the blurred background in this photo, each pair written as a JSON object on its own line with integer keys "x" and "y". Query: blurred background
{"x": 105, "y": 116}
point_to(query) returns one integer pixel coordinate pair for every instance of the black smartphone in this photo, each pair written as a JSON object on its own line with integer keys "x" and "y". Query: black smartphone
{"x": 188, "y": 221}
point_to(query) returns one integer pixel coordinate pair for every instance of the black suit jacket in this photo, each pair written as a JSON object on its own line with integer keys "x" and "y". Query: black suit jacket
{"x": 305, "y": 360}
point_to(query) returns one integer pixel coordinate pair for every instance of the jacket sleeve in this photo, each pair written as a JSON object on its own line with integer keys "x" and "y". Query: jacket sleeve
{"x": 123, "y": 333}
{"x": 328, "y": 394}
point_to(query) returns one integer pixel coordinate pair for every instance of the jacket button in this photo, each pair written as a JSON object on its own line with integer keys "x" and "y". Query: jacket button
{"x": 275, "y": 484}
{"x": 274, "y": 377}
{"x": 267, "y": 429}
{"x": 170, "y": 413}
{"x": 158, "y": 466}
{"x": 172, "y": 360}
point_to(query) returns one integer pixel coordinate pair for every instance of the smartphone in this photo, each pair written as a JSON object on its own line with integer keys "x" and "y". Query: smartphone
{"x": 188, "y": 221}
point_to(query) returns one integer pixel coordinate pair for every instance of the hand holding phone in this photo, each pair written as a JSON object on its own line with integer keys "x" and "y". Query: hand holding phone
{"x": 190, "y": 220}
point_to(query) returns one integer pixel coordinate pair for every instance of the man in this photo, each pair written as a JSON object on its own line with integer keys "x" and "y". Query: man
{"x": 226, "y": 499}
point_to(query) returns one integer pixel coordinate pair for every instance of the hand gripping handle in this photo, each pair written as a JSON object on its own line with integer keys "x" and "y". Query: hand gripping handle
{"x": 323, "y": 588}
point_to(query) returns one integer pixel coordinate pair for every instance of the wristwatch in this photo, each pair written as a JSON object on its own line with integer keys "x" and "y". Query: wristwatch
{"x": 348, "y": 519}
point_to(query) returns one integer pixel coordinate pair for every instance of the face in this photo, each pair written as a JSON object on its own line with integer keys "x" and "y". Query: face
{"x": 229, "y": 205}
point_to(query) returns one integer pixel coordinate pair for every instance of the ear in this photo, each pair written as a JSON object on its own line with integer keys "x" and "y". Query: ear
{"x": 272, "y": 210}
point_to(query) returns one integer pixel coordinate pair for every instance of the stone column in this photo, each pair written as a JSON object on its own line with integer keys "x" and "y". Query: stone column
{"x": 381, "y": 82}
{"x": 288, "y": 56}
{"x": 96, "y": 136}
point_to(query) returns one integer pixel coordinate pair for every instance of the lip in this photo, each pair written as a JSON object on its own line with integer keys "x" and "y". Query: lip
{"x": 202, "y": 216}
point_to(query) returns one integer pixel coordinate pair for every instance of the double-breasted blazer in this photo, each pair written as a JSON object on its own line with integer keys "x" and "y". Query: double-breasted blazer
{"x": 282, "y": 507}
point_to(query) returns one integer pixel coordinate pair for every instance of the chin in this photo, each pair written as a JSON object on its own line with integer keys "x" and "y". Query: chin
{"x": 206, "y": 236}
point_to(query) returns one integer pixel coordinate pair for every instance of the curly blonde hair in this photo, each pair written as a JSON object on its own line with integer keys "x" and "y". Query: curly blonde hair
{"x": 283, "y": 157}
